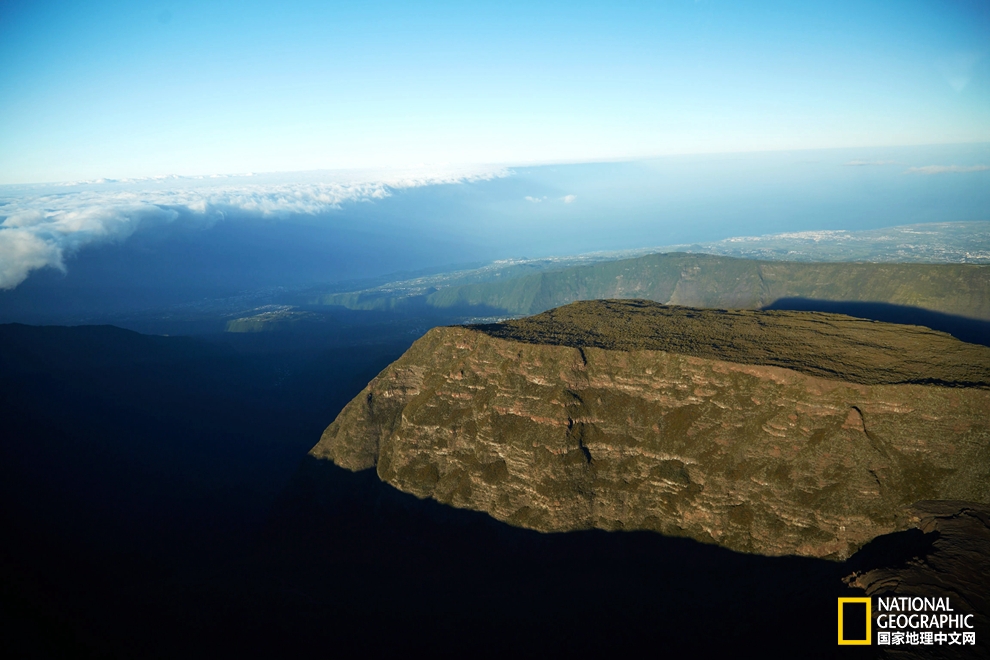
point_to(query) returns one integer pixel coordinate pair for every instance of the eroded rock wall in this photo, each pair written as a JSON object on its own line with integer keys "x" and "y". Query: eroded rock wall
{"x": 752, "y": 457}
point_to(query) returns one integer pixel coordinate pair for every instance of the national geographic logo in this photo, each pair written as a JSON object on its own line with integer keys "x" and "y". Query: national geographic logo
{"x": 904, "y": 620}
{"x": 855, "y": 619}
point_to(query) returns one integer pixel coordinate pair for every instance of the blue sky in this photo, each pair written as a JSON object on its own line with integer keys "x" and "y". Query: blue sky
{"x": 103, "y": 89}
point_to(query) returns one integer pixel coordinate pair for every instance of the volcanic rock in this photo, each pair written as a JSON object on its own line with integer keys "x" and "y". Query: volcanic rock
{"x": 946, "y": 554}
{"x": 766, "y": 432}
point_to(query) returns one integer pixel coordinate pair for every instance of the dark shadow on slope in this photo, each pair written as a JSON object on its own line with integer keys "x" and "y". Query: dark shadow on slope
{"x": 133, "y": 466}
{"x": 947, "y": 555}
{"x": 965, "y": 329}
{"x": 363, "y": 567}
{"x": 136, "y": 472}
{"x": 893, "y": 550}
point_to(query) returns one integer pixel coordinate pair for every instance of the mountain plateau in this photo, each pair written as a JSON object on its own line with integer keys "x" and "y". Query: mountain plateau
{"x": 770, "y": 432}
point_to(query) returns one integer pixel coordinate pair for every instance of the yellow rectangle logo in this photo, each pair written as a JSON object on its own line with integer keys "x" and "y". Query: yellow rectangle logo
{"x": 855, "y": 621}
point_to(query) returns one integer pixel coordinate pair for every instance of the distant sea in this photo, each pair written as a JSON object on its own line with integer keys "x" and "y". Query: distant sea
{"x": 128, "y": 244}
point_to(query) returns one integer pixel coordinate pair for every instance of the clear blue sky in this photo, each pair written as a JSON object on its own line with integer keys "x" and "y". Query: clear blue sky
{"x": 104, "y": 89}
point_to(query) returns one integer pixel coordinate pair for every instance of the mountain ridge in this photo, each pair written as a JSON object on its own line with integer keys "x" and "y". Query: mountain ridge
{"x": 710, "y": 281}
{"x": 754, "y": 457}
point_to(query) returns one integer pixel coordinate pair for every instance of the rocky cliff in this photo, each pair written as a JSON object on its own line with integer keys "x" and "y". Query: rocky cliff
{"x": 767, "y": 432}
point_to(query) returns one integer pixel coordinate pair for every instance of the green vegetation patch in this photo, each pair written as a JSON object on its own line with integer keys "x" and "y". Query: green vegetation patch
{"x": 701, "y": 280}
{"x": 826, "y": 345}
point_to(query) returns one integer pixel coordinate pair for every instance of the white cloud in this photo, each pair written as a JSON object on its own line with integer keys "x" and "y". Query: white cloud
{"x": 566, "y": 199}
{"x": 862, "y": 163}
{"x": 40, "y": 225}
{"x": 21, "y": 252}
{"x": 943, "y": 169}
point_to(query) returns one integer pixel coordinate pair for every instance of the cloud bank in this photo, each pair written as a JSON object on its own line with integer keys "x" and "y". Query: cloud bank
{"x": 566, "y": 199}
{"x": 41, "y": 225}
{"x": 943, "y": 169}
{"x": 865, "y": 163}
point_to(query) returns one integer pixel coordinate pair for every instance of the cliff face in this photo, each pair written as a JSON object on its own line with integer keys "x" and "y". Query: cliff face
{"x": 767, "y": 432}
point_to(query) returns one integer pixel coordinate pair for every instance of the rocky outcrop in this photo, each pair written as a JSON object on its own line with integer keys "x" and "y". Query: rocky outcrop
{"x": 945, "y": 554}
{"x": 767, "y": 432}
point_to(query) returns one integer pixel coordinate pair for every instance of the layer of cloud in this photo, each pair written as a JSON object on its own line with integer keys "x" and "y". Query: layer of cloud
{"x": 41, "y": 225}
{"x": 946, "y": 169}
{"x": 864, "y": 163}
{"x": 566, "y": 199}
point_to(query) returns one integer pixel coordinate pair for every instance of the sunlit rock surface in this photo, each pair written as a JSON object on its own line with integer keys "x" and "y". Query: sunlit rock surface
{"x": 766, "y": 432}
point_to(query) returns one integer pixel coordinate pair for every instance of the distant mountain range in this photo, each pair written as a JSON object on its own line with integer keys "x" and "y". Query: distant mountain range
{"x": 951, "y": 298}
{"x": 864, "y": 267}
{"x": 698, "y": 280}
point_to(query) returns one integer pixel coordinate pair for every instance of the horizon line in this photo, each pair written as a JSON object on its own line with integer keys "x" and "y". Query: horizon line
{"x": 465, "y": 164}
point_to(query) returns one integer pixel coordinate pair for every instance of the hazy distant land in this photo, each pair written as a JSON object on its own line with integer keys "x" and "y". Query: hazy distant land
{"x": 938, "y": 267}
{"x": 935, "y": 243}
{"x": 939, "y": 242}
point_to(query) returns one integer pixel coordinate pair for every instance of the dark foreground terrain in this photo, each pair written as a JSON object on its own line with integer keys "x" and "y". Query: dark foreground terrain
{"x": 154, "y": 505}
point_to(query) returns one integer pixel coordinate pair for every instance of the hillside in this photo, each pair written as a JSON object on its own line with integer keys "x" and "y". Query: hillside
{"x": 724, "y": 282}
{"x": 766, "y": 432}
{"x": 952, "y": 298}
